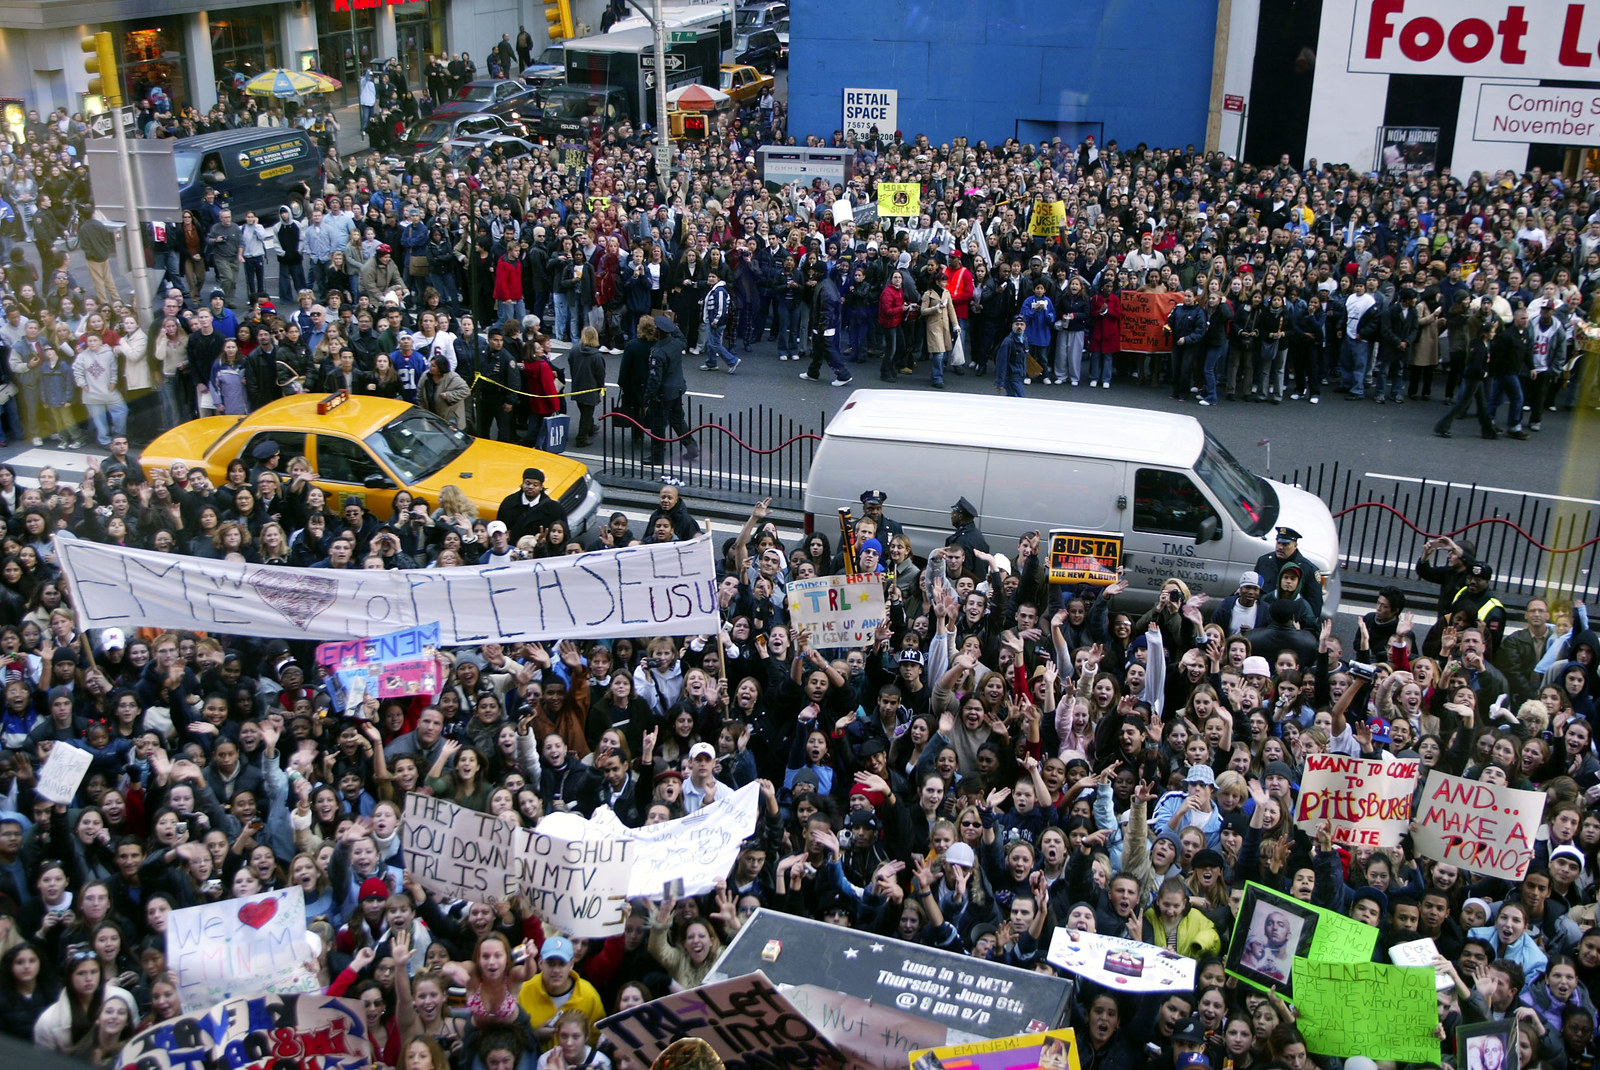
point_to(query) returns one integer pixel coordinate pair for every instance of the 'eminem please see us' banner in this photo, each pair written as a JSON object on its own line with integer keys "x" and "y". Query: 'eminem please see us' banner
{"x": 665, "y": 589}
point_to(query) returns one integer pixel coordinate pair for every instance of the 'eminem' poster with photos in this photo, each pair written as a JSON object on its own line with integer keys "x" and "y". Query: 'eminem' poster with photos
{"x": 1273, "y": 928}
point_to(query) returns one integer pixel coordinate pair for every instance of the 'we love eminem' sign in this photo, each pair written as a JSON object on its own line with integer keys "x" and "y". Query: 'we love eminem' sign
{"x": 967, "y": 995}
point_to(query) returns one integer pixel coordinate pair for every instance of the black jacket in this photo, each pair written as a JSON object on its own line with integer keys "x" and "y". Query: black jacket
{"x": 665, "y": 381}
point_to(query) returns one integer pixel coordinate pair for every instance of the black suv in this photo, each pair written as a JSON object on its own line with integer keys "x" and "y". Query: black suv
{"x": 758, "y": 48}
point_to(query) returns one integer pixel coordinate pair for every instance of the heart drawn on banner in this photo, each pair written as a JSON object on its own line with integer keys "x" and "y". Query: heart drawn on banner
{"x": 258, "y": 913}
{"x": 299, "y": 598}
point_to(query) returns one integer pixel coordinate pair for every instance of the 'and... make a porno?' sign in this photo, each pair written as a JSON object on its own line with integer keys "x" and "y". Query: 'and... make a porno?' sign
{"x": 579, "y": 886}
{"x": 1368, "y": 803}
{"x": 659, "y": 589}
{"x": 1482, "y": 828}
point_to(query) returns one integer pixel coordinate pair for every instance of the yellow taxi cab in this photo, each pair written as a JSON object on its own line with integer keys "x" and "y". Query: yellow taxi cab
{"x": 376, "y": 447}
{"x": 744, "y": 83}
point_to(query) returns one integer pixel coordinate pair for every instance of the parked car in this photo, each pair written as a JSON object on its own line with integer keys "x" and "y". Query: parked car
{"x": 376, "y": 447}
{"x": 548, "y": 67}
{"x": 743, "y": 83}
{"x": 457, "y": 151}
{"x": 782, "y": 30}
{"x": 760, "y": 16}
{"x": 517, "y": 104}
{"x": 437, "y": 129}
{"x": 758, "y": 48}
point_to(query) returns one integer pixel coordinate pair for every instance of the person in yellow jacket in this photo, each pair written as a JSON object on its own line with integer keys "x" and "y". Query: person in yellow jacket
{"x": 1172, "y": 923}
{"x": 556, "y": 988}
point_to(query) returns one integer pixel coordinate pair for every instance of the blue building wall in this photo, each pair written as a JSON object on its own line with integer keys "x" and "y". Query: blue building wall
{"x": 993, "y": 69}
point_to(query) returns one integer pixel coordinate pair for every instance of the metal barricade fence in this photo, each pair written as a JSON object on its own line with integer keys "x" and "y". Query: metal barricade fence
{"x": 1536, "y": 544}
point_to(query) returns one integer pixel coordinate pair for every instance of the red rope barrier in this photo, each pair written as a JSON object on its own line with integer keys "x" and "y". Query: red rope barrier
{"x": 1467, "y": 527}
{"x": 713, "y": 427}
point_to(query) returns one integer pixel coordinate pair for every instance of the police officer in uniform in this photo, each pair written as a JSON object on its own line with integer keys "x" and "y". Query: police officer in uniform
{"x": 872, "y": 508}
{"x": 1486, "y": 609}
{"x": 964, "y": 518}
{"x": 1288, "y": 549}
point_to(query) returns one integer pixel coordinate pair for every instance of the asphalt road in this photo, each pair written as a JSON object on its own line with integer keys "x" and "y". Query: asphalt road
{"x": 1366, "y": 438}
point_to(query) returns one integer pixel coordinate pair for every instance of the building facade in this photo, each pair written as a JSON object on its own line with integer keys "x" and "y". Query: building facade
{"x": 194, "y": 51}
{"x": 1137, "y": 70}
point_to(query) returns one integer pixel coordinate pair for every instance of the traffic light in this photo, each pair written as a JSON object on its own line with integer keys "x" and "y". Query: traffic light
{"x": 694, "y": 126}
{"x": 558, "y": 13}
{"x": 100, "y": 60}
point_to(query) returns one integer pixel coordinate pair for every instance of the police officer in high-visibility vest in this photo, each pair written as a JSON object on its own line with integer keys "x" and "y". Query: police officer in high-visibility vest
{"x": 1486, "y": 609}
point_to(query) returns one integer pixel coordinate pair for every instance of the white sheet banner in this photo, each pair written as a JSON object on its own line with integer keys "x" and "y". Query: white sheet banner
{"x": 700, "y": 849}
{"x": 241, "y": 947}
{"x": 580, "y": 886}
{"x": 660, "y": 589}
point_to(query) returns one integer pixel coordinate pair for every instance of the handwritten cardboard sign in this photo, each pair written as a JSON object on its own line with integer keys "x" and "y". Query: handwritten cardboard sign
{"x": 578, "y": 886}
{"x": 313, "y": 1032}
{"x": 839, "y": 611}
{"x": 662, "y": 588}
{"x": 871, "y": 1035}
{"x": 899, "y": 199}
{"x": 1144, "y": 321}
{"x": 745, "y": 1020}
{"x": 1119, "y": 964}
{"x": 1368, "y": 803}
{"x": 1423, "y": 952}
{"x": 240, "y": 947}
{"x": 1047, "y": 219}
{"x": 62, "y": 772}
{"x": 1483, "y": 828}
{"x": 1367, "y": 1008}
{"x": 970, "y": 997}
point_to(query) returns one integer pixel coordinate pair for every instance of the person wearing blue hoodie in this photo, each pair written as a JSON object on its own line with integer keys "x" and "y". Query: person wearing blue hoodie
{"x": 1039, "y": 315}
{"x": 1511, "y": 940}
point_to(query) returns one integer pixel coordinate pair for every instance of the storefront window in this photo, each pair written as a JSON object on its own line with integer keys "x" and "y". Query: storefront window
{"x": 348, "y": 36}
{"x": 419, "y": 33}
{"x": 152, "y": 58}
{"x": 243, "y": 44}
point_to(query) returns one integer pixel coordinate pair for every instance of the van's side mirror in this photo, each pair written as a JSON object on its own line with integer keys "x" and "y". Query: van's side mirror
{"x": 1210, "y": 529}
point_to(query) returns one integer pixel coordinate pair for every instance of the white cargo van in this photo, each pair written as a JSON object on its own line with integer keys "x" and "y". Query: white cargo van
{"x": 1184, "y": 506}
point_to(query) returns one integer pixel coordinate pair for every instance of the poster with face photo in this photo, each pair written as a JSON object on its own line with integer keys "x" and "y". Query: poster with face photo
{"x": 1272, "y": 929}
{"x": 1487, "y": 1046}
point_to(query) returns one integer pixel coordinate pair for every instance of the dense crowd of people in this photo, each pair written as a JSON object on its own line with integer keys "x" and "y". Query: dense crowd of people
{"x": 1005, "y": 758}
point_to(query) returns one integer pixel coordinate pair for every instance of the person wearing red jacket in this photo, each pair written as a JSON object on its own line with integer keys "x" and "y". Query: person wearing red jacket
{"x": 958, "y": 284}
{"x": 543, "y": 399}
{"x": 891, "y": 314}
{"x": 1105, "y": 333}
{"x": 508, "y": 284}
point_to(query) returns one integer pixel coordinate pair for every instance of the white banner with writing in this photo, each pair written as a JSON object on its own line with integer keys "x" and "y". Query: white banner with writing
{"x": 838, "y": 611}
{"x": 660, "y": 589}
{"x": 698, "y": 849}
